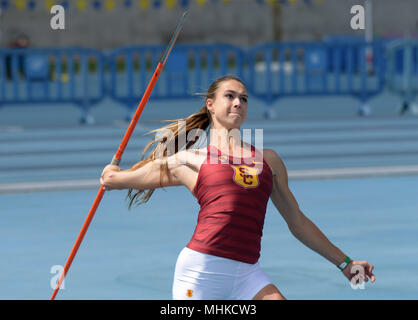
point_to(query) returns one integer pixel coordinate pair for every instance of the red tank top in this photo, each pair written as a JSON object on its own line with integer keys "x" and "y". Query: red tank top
{"x": 233, "y": 194}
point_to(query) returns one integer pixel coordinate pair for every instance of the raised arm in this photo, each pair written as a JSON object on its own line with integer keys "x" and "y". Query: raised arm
{"x": 299, "y": 225}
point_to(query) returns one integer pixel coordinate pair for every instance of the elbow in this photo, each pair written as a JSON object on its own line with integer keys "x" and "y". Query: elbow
{"x": 297, "y": 226}
{"x": 297, "y": 231}
{"x": 293, "y": 229}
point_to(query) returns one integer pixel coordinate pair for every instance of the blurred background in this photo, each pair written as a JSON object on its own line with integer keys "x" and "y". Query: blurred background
{"x": 106, "y": 52}
{"x": 333, "y": 89}
{"x": 115, "y": 23}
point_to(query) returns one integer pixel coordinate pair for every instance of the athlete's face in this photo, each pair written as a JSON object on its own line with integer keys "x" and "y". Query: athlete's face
{"x": 229, "y": 107}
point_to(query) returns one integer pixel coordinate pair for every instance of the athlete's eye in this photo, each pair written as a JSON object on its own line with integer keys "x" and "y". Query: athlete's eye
{"x": 244, "y": 99}
{"x": 229, "y": 96}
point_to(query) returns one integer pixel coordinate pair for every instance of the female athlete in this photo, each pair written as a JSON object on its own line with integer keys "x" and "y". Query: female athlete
{"x": 232, "y": 181}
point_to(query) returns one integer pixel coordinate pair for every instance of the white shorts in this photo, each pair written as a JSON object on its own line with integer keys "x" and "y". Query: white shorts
{"x": 202, "y": 276}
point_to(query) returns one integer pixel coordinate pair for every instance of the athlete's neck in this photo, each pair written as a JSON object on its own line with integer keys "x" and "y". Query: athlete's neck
{"x": 228, "y": 141}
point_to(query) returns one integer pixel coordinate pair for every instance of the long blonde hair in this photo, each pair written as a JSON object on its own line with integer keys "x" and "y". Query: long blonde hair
{"x": 200, "y": 120}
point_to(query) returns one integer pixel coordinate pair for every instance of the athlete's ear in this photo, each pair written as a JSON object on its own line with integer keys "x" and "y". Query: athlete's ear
{"x": 209, "y": 105}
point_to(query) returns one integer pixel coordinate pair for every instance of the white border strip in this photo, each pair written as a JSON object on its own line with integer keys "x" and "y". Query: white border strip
{"x": 336, "y": 173}
{"x": 353, "y": 172}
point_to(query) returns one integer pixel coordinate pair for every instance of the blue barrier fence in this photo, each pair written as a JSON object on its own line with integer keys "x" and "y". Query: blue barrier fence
{"x": 272, "y": 71}
{"x": 280, "y": 70}
{"x": 45, "y": 76}
{"x": 402, "y": 70}
{"x": 189, "y": 70}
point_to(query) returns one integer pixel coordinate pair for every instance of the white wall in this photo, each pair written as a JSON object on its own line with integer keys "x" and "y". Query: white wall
{"x": 242, "y": 22}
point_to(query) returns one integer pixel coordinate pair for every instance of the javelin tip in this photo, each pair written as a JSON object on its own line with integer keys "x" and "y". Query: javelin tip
{"x": 173, "y": 39}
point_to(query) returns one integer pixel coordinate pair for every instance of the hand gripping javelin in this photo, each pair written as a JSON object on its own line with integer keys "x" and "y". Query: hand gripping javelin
{"x": 117, "y": 157}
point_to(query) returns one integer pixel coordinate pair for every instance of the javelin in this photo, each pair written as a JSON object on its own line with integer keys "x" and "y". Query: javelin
{"x": 117, "y": 157}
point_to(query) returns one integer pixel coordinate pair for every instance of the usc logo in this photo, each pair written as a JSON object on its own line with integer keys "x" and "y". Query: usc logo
{"x": 246, "y": 176}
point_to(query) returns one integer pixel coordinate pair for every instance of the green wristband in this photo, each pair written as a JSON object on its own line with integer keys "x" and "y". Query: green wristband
{"x": 342, "y": 266}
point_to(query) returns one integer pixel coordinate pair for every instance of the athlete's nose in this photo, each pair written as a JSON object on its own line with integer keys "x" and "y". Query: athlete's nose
{"x": 237, "y": 102}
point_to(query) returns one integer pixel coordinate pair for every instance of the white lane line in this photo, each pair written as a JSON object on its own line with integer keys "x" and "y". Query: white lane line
{"x": 11, "y": 129}
{"x": 335, "y": 173}
{"x": 58, "y": 185}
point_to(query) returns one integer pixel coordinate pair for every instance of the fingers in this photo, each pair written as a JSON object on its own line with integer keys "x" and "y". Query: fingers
{"x": 369, "y": 268}
{"x": 365, "y": 271}
{"x": 112, "y": 167}
{"x": 109, "y": 167}
{"x": 107, "y": 188}
{"x": 102, "y": 184}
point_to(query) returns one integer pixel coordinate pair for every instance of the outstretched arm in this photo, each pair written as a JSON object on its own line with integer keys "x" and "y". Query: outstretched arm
{"x": 299, "y": 225}
{"x": 149, "y": 176}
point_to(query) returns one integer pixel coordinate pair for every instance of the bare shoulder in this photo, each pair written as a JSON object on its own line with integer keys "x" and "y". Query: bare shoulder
{"x": 274, "y": 161}
{"x": 197, "y": 152}
{"x": 188, "y": 165}
{"x": 195, "y": 155}
{"x": 190, "y": 158}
